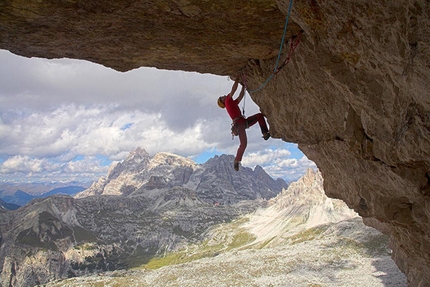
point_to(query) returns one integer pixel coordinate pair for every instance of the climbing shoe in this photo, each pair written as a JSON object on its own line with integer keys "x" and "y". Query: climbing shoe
{"x": 266, "y": 136}
{"x": 236, "y": 165}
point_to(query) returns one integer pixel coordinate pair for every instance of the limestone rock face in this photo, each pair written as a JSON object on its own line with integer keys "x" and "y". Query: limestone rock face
{"x": 356, "y": 99}
{"x": 302, "y": 206}
{"x": 355, "y": 95}
{"x": 213, "y": 182}
{"x": 139, "y": 169}
{"x": 144, "y": 207}
{"x": 180, "y": 34}
{"x": 218, "y": 182}
{"x": 59, "y": 237}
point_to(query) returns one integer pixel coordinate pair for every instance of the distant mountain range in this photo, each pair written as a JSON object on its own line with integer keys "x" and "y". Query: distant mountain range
{"x": 150, "y": 212}
{"x": 21, "y": 198}
{"x": 301, "y": 238}
{"x": 213, "y": 182}
{"x": 8, "y": 206}
{"x": 144, "y": 207}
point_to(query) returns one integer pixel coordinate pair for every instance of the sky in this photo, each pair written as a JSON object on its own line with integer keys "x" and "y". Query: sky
{"x": 68, "y": 120}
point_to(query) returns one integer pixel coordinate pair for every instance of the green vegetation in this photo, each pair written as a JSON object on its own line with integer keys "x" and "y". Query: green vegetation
{"x": 308, "y": 234}
{"x": 240, "y": 240}
{"x": 83, "y": 235}
{"x": 173, "y": 258}
{"x": 376, "y": 245}
{"x": 86, "y": 246}
{"x": 30, "y": 238}
{"x": 140, "y": 256}
{"x": 265, "y": 243}
{"x": 202, "y": 250}
{"x": 49, "y": 230}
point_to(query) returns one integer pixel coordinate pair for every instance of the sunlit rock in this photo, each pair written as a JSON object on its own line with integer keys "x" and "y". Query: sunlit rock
{"x": 355, "y": 95}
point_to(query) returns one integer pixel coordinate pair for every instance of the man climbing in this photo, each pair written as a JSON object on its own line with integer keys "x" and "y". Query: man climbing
{"x": 240, "y": 123}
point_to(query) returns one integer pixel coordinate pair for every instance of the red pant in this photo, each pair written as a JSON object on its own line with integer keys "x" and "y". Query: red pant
{"x": 243, "y": 124}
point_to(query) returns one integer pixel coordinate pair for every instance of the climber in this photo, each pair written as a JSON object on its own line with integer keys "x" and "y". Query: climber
{"x": 240, "y": 123}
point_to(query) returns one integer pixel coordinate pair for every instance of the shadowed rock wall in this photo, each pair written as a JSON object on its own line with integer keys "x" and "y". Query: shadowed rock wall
{"x": 355, "y": 95}
{"x": 207, "y": 36}
{"x": 356, "y": 98}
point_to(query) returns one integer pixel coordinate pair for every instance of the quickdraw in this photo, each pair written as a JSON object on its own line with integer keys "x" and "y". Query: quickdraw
{"x": 294, "y": 43}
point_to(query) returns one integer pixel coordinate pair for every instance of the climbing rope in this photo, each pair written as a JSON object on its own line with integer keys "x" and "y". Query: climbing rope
{"x": 243, "y": 77}
{"x": 294, "y": 43}
{"x": 283, "y": 35}
{"x": 243, "y": 106}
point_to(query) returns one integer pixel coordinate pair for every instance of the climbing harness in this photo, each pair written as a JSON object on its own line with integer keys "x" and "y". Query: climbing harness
{"x": 234, "y": 129}
{"x": 294, "y": 43}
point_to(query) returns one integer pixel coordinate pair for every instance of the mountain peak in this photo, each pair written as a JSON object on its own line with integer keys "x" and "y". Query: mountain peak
{"x": 138, "y": 155}
{"x": 138, "y": 152}
{"x": 311, "y": 177}
{"x": 213, "y": 181}
{"x": 306, "y": 206}
{"x": 220, "y": 158}
{"x": 165, "y": 158}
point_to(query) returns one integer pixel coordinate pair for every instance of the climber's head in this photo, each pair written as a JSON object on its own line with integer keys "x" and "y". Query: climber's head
{"x": 221, "y": 102}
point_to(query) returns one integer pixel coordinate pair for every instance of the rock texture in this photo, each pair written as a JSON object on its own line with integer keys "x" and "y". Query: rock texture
{"x": 302, "y": 238}
{"x": 356, "y": 99}
{"x": 61, "y": 237}
{"x": 180, "y": 34}
{"x": 7, "y": 206}
{"x": 146, "y": 206}
{"x": 213, "y": 182}
{"x": 355, "y": 96}
{"x": 302, "y": 206}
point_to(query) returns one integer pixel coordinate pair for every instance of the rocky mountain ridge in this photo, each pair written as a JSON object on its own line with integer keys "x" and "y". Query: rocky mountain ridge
{"x": 8, "y": 188}
{"x": 354, "y": 97}
{"x": 21, "y": 198}
{"x": 61, "y": 236}
{"x": 213, "y": 181}
{"x": 301, "y": 238}
{"x": 302, "y": 206}
{"x": 7, "y": 206}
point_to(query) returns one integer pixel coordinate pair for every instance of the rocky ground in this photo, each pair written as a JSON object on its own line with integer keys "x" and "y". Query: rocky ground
{"x": 355, "y": 96}
{"x": 301, "y": 239}
{"x": 145, "y": 207}
{"x": 343, "y": 254}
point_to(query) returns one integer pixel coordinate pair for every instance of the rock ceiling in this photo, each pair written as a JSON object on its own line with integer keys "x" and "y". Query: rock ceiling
{"x": 355, "y": 96}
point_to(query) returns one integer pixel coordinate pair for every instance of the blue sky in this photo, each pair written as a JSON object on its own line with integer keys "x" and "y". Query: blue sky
{"x": 69, "y": 119}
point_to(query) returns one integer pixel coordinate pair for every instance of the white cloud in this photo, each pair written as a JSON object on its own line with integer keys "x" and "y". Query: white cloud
{"x": 54, "y": 111}
{"x": 97, "y": 130}
{"x": 266, "y": 156}
{"x": 84, "y": 165}
{"x": 49, "y": 169}
{"x": 278, "y": 163}
{"x": 25, "y": 164}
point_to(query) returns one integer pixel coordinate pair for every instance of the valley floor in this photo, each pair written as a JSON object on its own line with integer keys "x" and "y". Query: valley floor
{"x": 342, "y": 254}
